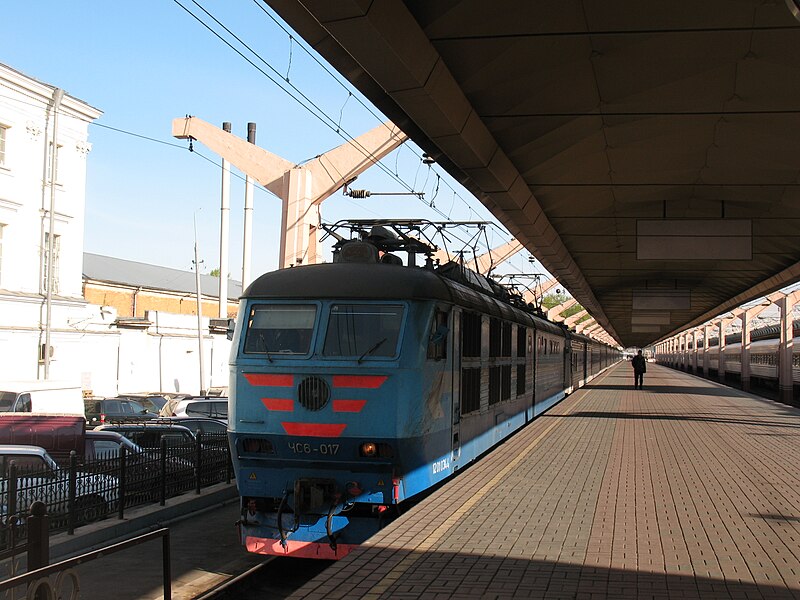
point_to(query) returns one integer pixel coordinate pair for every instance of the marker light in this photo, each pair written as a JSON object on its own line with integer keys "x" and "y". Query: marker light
{"x": 369, "y": 449}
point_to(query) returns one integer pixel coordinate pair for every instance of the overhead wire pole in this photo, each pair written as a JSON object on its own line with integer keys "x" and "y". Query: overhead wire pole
{"x": 224, "y": 230}
{"x": 248, "y": 215}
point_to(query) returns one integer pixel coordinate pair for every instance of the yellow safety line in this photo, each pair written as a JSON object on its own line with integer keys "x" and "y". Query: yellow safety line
{"x": 392, "y": 576}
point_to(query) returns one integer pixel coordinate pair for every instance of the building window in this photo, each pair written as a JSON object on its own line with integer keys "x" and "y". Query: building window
{"x": 46, "y": 261}
{"x": 3, "y": 132}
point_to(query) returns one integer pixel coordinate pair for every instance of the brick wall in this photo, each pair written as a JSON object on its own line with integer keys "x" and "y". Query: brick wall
{"x": 123, "y": 299}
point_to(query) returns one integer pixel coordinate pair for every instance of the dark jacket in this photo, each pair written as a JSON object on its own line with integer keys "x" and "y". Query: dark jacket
{"x": 639, "y": 364}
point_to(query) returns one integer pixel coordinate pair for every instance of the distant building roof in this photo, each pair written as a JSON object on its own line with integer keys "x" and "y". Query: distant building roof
{"x": 135, "y": 274}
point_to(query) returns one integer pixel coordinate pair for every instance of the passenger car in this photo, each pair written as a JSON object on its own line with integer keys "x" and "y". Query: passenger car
{"x": 142, "y": 465}
{"x": 101, "y": 445}
{"x": 195, "y": 424}
{"x": 151, "y": 402}
{"x": 40, "y": 478}
{"x": 102, "y": 410}
{"x": 214, "y": 407}
{"x": 181, "y": 445}
{"x": 148, "y": 435}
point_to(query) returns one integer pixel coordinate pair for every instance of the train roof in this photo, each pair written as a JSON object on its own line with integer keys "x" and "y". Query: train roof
{"x": 350, "y": 280}
{"x": 378, "y": 281}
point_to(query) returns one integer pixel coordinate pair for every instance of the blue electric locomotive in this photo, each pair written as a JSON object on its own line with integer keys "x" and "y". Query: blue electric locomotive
{"x": 359, "y": 384}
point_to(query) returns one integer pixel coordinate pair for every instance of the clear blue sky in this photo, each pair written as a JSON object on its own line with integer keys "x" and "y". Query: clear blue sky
{"x": 145, "y": 63}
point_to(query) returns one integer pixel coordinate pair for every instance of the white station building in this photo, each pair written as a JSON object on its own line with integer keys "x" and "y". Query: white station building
{"x": 88, "y": 343}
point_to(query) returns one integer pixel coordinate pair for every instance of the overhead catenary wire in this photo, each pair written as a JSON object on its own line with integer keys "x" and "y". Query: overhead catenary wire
{"x": 430, "y": 204}
{"x": 330, "y": 124}
{"x": 322, "y": 116}
{"x": 317, "y": 112}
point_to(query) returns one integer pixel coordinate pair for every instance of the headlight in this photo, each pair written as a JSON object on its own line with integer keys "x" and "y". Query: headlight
{"x": 373, "y": 449}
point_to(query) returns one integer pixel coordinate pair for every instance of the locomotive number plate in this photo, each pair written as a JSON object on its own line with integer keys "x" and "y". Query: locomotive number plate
{"x": 306, "y": 448}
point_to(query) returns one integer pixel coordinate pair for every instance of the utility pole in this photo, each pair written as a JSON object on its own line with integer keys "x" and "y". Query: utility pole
{"x": 199, "y": 310}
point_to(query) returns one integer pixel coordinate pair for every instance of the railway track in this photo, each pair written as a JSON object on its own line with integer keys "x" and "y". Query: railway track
{"x": 274, "y": 579}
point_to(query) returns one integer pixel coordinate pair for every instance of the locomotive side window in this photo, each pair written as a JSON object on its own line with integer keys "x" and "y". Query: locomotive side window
{"x": 522, "y": 346}
{"x": 499, "y": 338}
{"x": 280, "y": 329}
{"x": 470, "y": 390}
{"x": 522, "y": 334}
{"x": 494, "y": 384}
{"x": 363, "y": 330}
{"x": 495, "y": 339}
{"x": 505, "y": 349}
{"x": 470, "y": 334}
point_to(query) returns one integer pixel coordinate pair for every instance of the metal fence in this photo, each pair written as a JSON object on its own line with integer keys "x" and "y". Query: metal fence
{"x": 81, "y": 493}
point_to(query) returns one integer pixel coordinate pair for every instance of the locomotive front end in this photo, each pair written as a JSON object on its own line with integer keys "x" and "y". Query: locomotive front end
{"x": 314, "y": 421}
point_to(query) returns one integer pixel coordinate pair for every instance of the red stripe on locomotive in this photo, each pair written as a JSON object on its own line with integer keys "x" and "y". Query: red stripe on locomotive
{"x": 359, "y": 381}
{"x": 314, "y": 429}
{"x": 296, "y": 549}
{"x": 269, "y": 379}
{"x": 353, "y": 406}
{"x": 284, "y": 404}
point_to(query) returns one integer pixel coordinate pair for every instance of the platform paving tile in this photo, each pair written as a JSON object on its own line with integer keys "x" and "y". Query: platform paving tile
{"x": 686, "y": 489}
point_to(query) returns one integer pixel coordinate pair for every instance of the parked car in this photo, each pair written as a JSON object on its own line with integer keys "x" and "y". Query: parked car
{"x": 153, "y": 403}
{"x": 142, "y": 465}
{"x": 105, "y": 410}
{"x": 56, "y": 397}
{"x": 148, "y": 435}
{"x": 215, "y": 407}
{"x": 213, "y": 432}
{"x": 40, "y": 478}
{"x": 195, "y": 424}
{"x": 181, "y": 444}
{"x": 99, "y": 445}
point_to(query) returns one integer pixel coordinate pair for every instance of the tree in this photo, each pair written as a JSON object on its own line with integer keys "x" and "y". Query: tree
{"x": 215, "y": 272}
{"x": 551, "y": 300}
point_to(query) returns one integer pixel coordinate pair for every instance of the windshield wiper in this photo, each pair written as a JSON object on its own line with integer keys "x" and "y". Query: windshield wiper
{"x": 266, "y": 348}
{"x": 371, "y": 350}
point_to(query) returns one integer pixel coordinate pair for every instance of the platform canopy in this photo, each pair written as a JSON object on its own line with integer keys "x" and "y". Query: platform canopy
{"x": 646, "y": 152}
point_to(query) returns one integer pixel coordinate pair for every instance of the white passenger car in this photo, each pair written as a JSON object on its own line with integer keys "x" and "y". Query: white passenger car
{"x": 39, "y": 477}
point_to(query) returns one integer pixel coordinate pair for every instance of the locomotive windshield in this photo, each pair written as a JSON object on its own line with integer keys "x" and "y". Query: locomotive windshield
{"x": 280, "y": 329}
{"x": 363, "y": 330}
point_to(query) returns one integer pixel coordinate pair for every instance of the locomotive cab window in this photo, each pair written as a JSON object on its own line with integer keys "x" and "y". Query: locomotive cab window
{"x": 280, "y": 329}
{"x": 363, "y": 330}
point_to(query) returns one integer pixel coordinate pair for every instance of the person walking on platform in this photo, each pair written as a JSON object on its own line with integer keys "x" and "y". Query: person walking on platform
{"x": 639, "y": 365}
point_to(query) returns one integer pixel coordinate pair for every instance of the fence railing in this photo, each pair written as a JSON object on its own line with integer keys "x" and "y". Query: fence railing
{"x": 79, "y": 493}
{"x": 44, "y": 581}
